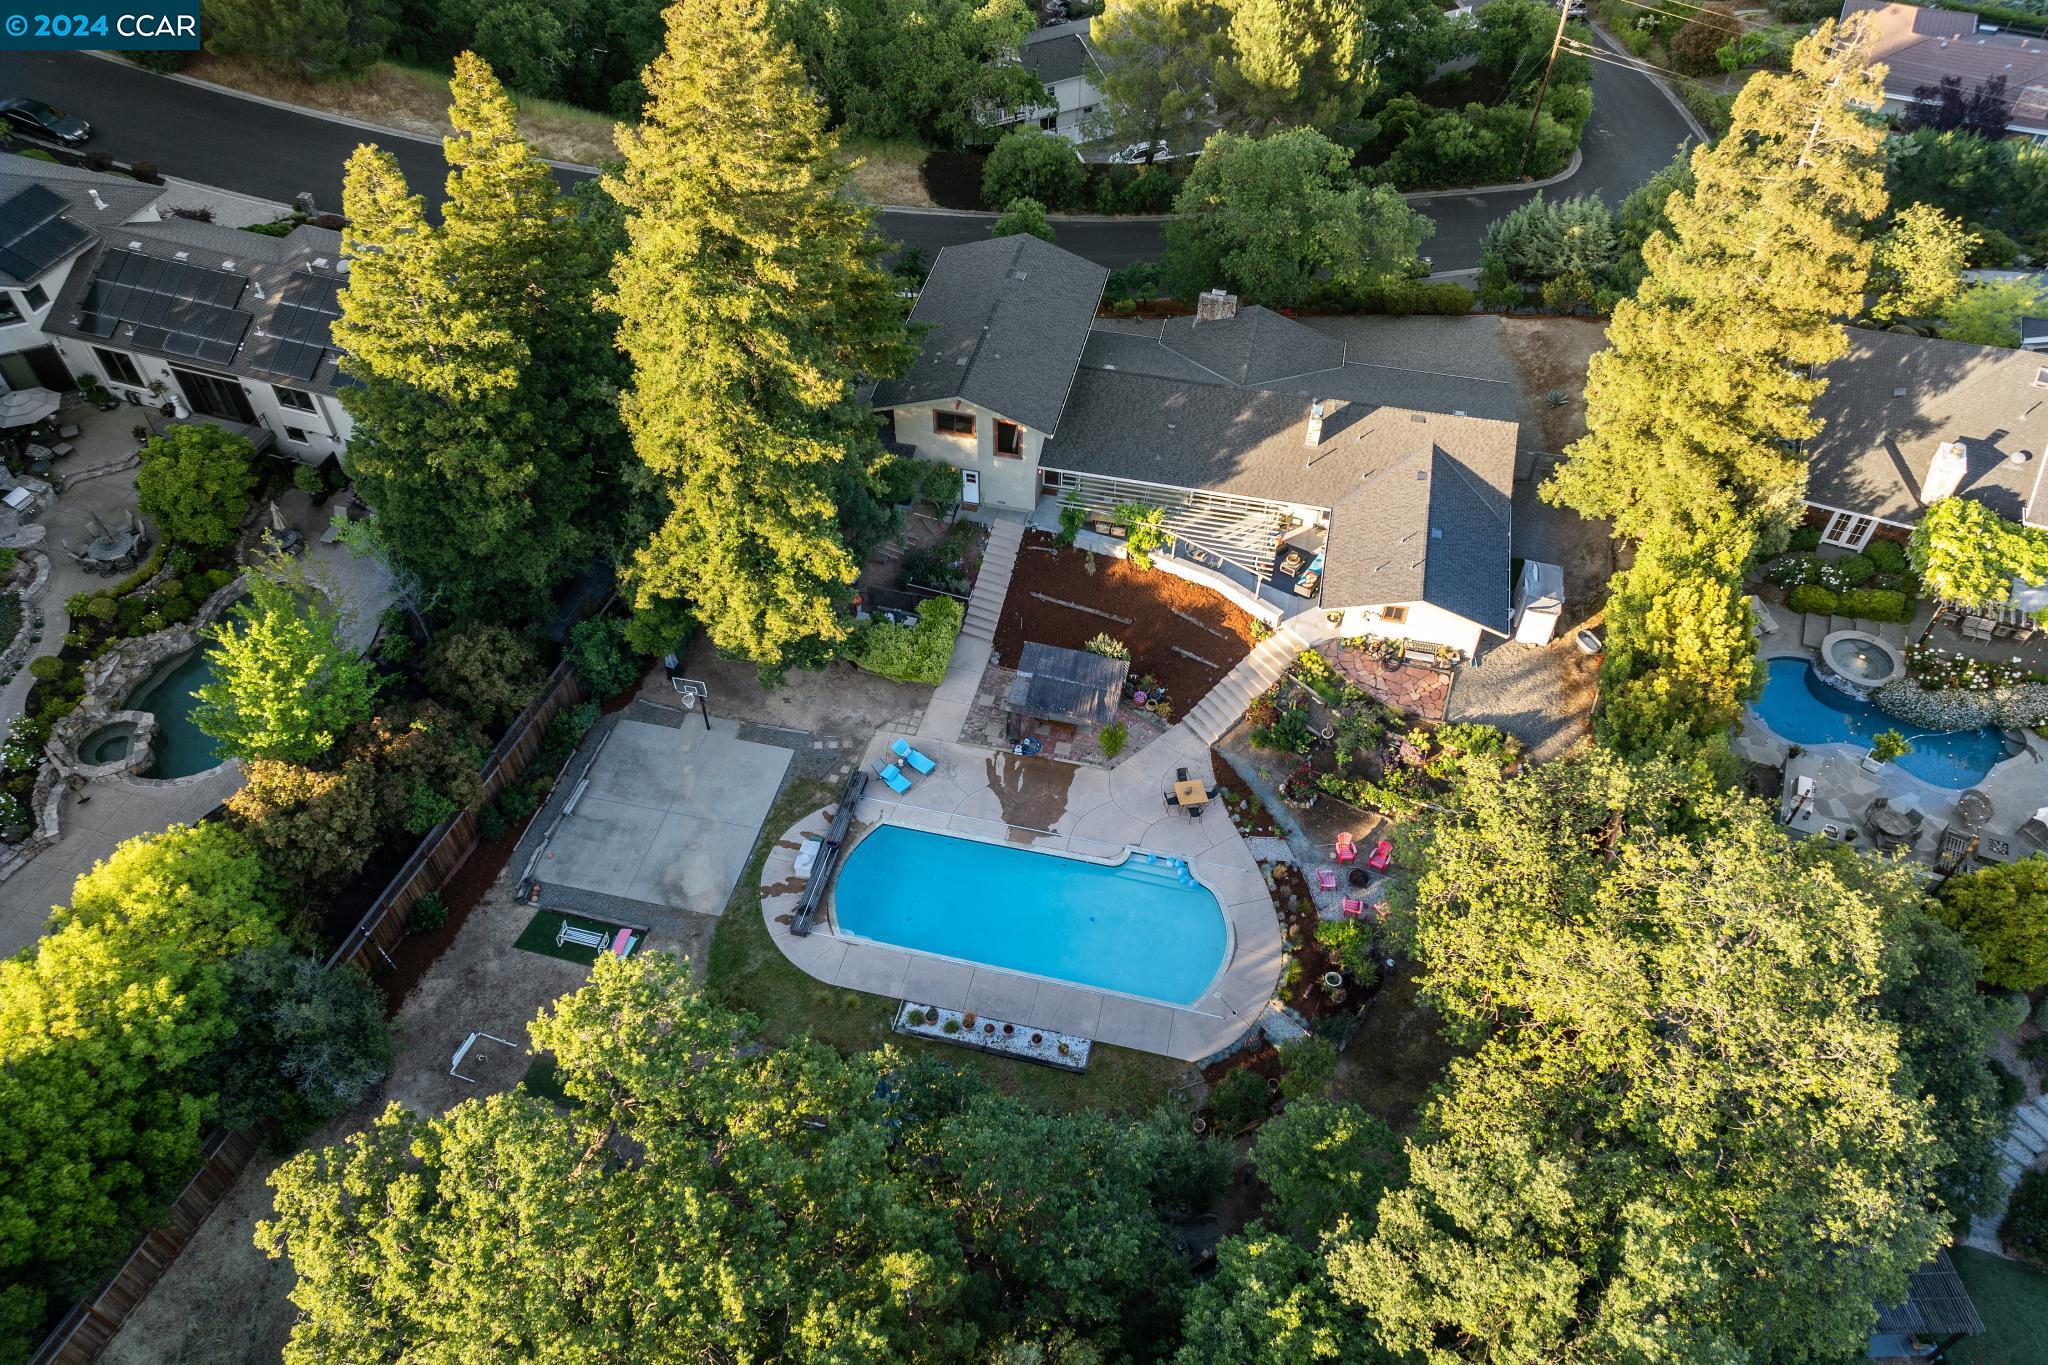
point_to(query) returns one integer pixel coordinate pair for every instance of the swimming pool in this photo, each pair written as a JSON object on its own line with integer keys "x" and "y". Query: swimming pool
{"x": 1799, "y": 707}
{"x": 1141, "y": 927}
{"x": 181, "y": 747}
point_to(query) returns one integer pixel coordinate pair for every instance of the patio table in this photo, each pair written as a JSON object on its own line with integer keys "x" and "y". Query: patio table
{"x": 1890, "y": 822}
{"x": 114, "y": 548}
{"x": 1189, "y": 793}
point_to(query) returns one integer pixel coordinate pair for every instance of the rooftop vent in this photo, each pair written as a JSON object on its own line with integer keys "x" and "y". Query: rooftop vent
{"x": 1421, "y": 476}
{"x": 320, "y": 262}
{"x": 135, "y": 246}
{"x": 1314, "y": 435}
{"x": 227, "y": 265}
{"x": 1017, "y": 275}
{"x": 1899, "y": 393}
{"x": 183, "y": 256}
{"x": 1436, "y": 533}
{"x": 97, "y": 202}
{"x": 1417, "y": 417}
{"x": 2020, "y": 456}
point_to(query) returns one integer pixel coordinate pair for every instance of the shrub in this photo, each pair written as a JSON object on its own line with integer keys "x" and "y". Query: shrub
{"x": 308, "y": 480}
{"x": 486, "y": 672}
{"x": 1886, "y": 556}
{"x": 429, "y": 913}
{"x": 1109, "y": 647}
{"x": 1306, "y": 1065}
{"x": 916, "y": 654}
{"x": 1152, "y": 190}
{"x": 2025, "y": 1229}
{"x": 1031, "y": 163}
{"x": 312, "y": 829}
{"x": 601, "y": 656}
{"x": 1240, "y": 1099}
{"x": 2011, "y": 1089}
{"x": 2002, "y": 911}
{"x": 47, "y": 668}
{"x": 1808, "y": 538}
{"x": 1812, "y": 598}
{"x": 1073, "y": 517}
{"x": 491, "y": 824}
{"x": 1138, "y": 280}
{"x": 1144, "y": 530}
{"x": 1023, "y": 215}
{"x": 1855, "y": 570}
{"x": 425, "y": 808}
{"x": 1113, "y": 739}
{"x": 1875, "y": 604}
{"x": 195, "y": 483}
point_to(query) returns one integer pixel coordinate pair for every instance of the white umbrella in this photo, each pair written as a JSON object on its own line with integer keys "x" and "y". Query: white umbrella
{"x": 23, "y": 406}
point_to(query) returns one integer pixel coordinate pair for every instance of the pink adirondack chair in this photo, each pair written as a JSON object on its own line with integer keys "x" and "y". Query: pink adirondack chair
{"x": 1353, "y": 908}
{"x": 1382, "y": 855}
{"x": 1326, "y": 878}
{"x": 1346, "y": 850}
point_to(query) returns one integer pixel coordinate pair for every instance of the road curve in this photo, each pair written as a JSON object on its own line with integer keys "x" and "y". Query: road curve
{"x": 203, "y": 134}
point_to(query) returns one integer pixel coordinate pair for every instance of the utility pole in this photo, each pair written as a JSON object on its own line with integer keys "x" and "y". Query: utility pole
{"x": 1564, "y": 12}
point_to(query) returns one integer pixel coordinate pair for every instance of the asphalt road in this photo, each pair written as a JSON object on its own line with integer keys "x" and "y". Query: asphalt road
{"x": 209, "y": 136}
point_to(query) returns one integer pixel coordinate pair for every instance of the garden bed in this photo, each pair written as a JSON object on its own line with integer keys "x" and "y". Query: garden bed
{"x": 1066, "y": 597}
{"x": 1247, "y": 808}
{"x": 1309, "y": 956}
{"x": 1066, "y": 1051}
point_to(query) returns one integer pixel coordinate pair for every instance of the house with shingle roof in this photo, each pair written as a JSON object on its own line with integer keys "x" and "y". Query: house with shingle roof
{"x": 1923, "y": 47}
{"x": 1307, "y": 479}
{"x": 219, "y": 323}
{"x": 1909, "y": 420}
{"x": 1066, "y": 62}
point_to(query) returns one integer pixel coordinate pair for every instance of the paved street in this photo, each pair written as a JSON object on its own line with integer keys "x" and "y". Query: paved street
{"x": 221, "y": 139}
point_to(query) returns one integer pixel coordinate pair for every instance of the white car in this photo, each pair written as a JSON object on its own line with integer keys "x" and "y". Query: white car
{"x": 1134, "y": 155}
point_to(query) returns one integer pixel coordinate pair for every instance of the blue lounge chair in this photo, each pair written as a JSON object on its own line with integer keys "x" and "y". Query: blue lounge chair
{"x": 901, "y": 748}
{"x": 893, "y": 775}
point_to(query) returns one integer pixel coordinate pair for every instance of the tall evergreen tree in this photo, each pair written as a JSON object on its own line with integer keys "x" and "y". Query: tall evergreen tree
{"x": 1159, "y": 61}
{"x": 751, "y": 303}
{"x": 486, "y": 413}
{"x": 1707, "y": 380}
{"x": 1299, "y": 63}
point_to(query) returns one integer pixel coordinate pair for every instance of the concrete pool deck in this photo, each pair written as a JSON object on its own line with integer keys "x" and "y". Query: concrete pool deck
{"x": 1044, "y": 804}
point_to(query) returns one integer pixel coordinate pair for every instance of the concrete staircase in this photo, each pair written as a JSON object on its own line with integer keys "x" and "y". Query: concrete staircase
{"x": 1814, "y": 629}
{"x": 1257, "y": 671}
{"x": 2020, "y": 1149}
{"x": 992, "y": 584}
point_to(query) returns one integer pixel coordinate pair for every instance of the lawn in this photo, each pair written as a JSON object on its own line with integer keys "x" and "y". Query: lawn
{"x": 2013, "y": 1301}
{"x": 1396, "y": 1057}
{"x": 746, "y": 970}
{"x": 889, "y": 172}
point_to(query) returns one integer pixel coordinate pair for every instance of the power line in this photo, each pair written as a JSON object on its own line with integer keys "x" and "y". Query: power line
{"x": 1748, "y": 25}
{"x": 1626, "y": 63}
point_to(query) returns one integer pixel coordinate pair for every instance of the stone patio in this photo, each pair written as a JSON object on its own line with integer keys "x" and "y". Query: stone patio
{"x": 1415, "y": 689}
{"x": 1085, "y": 812}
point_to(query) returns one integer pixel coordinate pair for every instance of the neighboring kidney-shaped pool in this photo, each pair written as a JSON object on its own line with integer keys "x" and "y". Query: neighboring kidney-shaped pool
{"x": 1141, "y": 927}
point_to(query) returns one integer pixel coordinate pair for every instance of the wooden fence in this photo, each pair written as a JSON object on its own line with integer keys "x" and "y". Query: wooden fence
{"x": 93, "y": 1322}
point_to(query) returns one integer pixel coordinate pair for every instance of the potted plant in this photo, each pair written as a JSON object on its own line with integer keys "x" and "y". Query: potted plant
{"x": 950, "y": 1026}
{"x": 988, "y": 1028}
{"x": 967, "y": 1019}
{"x": 1009, "y": 1029}
{"x": 1064, "y": 1050}
{"x": 1037, "y": 1038}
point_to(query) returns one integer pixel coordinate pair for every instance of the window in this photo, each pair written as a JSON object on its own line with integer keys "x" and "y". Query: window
{"x": 1394, "y": 615}
{"x": 295, "y": 435}
{"x": 953, "y": 423}
{"x": 297, "y": 399}
{"x": 1010, "y": 440}
{"x": 10, "y": 311}
{"x": 35, "y": 296}
{"x": 1050, "y": 122}
{"x": 120, "y": 369}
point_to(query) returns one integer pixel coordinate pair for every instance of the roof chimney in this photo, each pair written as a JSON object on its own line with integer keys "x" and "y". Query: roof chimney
{"x": 1214, "y": 306}
{"x": 1315, "y": 424}
{"x": 1944, "y": 472}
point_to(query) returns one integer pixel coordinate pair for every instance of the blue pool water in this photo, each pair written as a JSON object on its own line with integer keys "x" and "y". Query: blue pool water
{"x": 1139, "y": 927}
{"x": 1799, "y": 707}
{"x": 181, "y": 747}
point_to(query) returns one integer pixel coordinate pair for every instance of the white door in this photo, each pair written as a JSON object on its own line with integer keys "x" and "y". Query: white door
{"x": 1848, "y": 530}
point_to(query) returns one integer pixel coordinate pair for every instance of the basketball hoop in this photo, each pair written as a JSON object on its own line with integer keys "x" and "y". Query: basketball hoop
{"x": 689, "y": 700}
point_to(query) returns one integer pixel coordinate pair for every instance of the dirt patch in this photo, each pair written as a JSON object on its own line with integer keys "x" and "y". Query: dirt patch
{"x": 1552, "y": 354}
{"x": 1396, "y": 1056}
{"x": 1066, "y": 597}
{"x": 415, "y": 101}
{"x": 888, "y": 172}
{"x": 835, "y": 702}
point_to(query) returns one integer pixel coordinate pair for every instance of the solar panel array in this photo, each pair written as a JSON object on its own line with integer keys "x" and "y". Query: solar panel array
{"x": 295, "y": 342}
{"x": 35, "y": 234}
{"x": 173, "y": 307}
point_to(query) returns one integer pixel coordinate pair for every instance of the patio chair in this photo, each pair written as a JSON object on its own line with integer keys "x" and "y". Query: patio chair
{"x": 893, "y": 775}
{"x": 901, "y": 748}
{"x": 1353, "y": 908}
{"x": 1326, "y": 878}
{"x": 1195, "y": 812}
{"x": 68, "y": 432}
{"x": 1346, "y": 850}
{"x": 1382, "y": 855}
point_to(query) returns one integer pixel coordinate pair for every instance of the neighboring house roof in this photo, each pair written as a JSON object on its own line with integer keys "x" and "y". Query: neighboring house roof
{"x": 1009, "y": 318}
{"x": 1921, "y": 46}
{"x": 1059, "y": 52}
{"x": 1894, "y": 398}
{"x": 195, "y": 293}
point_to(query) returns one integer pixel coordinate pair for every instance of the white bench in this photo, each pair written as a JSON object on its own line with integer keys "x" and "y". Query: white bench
{"x": 586, "y": 938}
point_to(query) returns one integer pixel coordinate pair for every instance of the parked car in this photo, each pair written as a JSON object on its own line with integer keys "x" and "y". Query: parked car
{"x": 45, "y": 121}
{"x": 1134, "y": 155}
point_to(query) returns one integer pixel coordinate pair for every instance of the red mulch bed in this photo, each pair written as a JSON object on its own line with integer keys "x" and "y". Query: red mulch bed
{"x": 1146, "y": 599}
{"x": 417, "y": 953}
{"x": 1250, "y": 819}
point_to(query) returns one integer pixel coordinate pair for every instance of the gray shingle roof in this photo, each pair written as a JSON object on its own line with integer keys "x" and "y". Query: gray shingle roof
{"x": 268, "y": 263}
{"x": 1253, "y": 442}
{"x": 1920, "y": 46}
{"x": 1009, "y": 318}
{"x": 1058, "y": 52}
{"x": 1256, "y": 346}
{"x": 93, "y": 201}
{"x": 1894, "y": 398}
